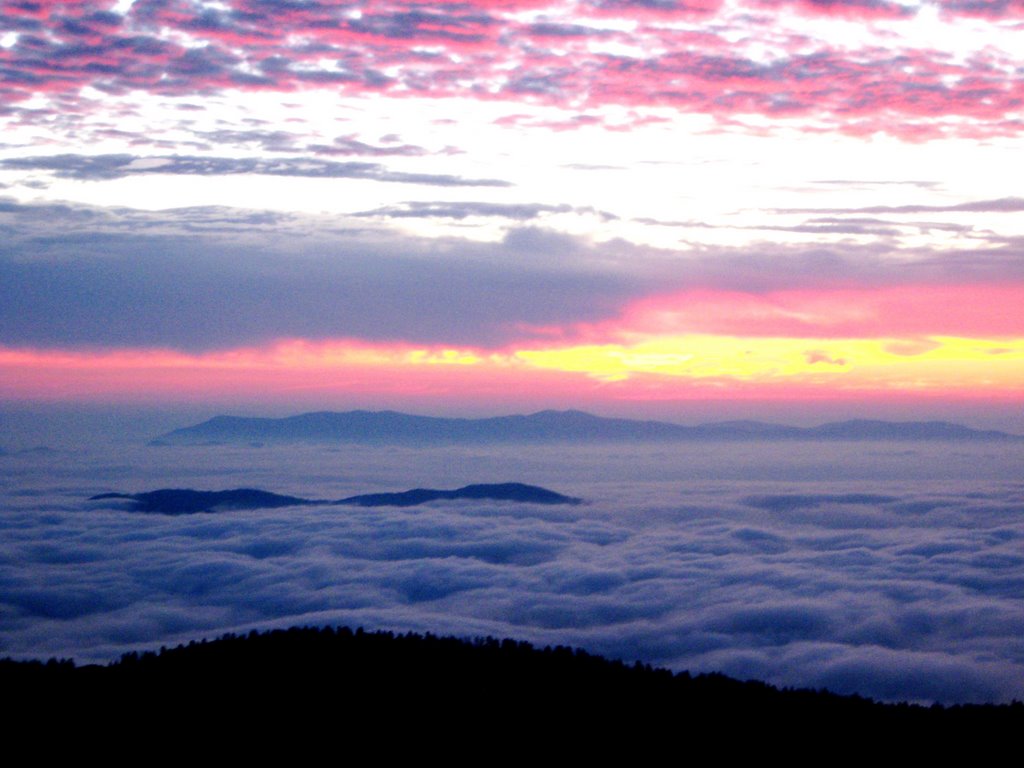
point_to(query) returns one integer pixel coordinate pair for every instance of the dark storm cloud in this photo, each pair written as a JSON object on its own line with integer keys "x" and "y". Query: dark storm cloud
{"x": 93, "y": 167}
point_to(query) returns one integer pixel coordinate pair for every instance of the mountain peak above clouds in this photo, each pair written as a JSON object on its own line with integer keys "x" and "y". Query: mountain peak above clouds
{"x": 389, "y": 427}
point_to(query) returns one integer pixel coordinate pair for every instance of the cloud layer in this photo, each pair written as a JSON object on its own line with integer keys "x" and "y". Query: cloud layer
{"x": 775, "y": 58}
{"x": 217, "y": 278}
{"x": 106, "y": 167}
{"x": 870, "y": 569}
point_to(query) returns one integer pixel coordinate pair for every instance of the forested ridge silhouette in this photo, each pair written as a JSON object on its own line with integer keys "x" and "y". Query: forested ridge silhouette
{"x": 304, "y": 675}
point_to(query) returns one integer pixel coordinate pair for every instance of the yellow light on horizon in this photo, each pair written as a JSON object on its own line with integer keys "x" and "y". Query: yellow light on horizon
{"x": 934, "y": 361}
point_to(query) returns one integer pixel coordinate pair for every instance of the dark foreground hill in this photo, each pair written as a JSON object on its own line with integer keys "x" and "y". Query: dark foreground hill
{"x": 392, "y": 427}
{"x": 186, "y": 501}
{"x": 358, "y": 683}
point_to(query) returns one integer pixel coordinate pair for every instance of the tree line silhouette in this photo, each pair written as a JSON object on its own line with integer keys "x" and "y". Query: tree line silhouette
{"x": 428, "y": 683}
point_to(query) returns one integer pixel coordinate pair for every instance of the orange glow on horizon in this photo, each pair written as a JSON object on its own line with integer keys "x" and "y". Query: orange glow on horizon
{"x": 653, "y": 367}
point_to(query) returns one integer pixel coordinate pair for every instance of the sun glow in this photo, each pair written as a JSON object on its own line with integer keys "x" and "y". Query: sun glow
{"x": 774, "y": 365}
{"x": 935, "y": 362}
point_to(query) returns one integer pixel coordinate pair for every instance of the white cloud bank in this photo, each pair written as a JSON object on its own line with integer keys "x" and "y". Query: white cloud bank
{"x": 894, "y": 573}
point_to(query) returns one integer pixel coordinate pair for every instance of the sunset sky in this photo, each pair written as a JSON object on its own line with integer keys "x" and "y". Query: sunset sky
{"x": 674, "y": 209}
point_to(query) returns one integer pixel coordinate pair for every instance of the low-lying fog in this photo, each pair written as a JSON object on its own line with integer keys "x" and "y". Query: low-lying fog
{"x": 891, "y": 570}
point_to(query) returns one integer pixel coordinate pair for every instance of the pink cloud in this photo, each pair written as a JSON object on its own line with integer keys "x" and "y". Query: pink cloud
{"x": 479, "y": 50}
{"x": 663, "y": 10}
{"x": 977, "y": 311}
{"x": 987, "y": 9}
{"x": 858, "y": 10}
{"x": 818, "y": 356}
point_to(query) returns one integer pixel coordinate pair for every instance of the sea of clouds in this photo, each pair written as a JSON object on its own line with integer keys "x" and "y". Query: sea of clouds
{"x": 894, "y": 571}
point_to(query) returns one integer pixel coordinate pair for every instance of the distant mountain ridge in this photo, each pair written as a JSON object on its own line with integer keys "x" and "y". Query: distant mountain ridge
{"x": 520, "y": 492}
{"x": 545, "y": 426}
{"x": 186, "y": 501}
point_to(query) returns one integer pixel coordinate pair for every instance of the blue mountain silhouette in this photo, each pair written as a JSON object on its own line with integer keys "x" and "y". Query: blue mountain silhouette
{"x": 545, "y": 426}
{"x": 185, "y": 501}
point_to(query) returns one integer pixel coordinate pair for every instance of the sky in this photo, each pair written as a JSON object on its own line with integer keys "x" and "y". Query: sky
{"x": 677, "y": 209}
